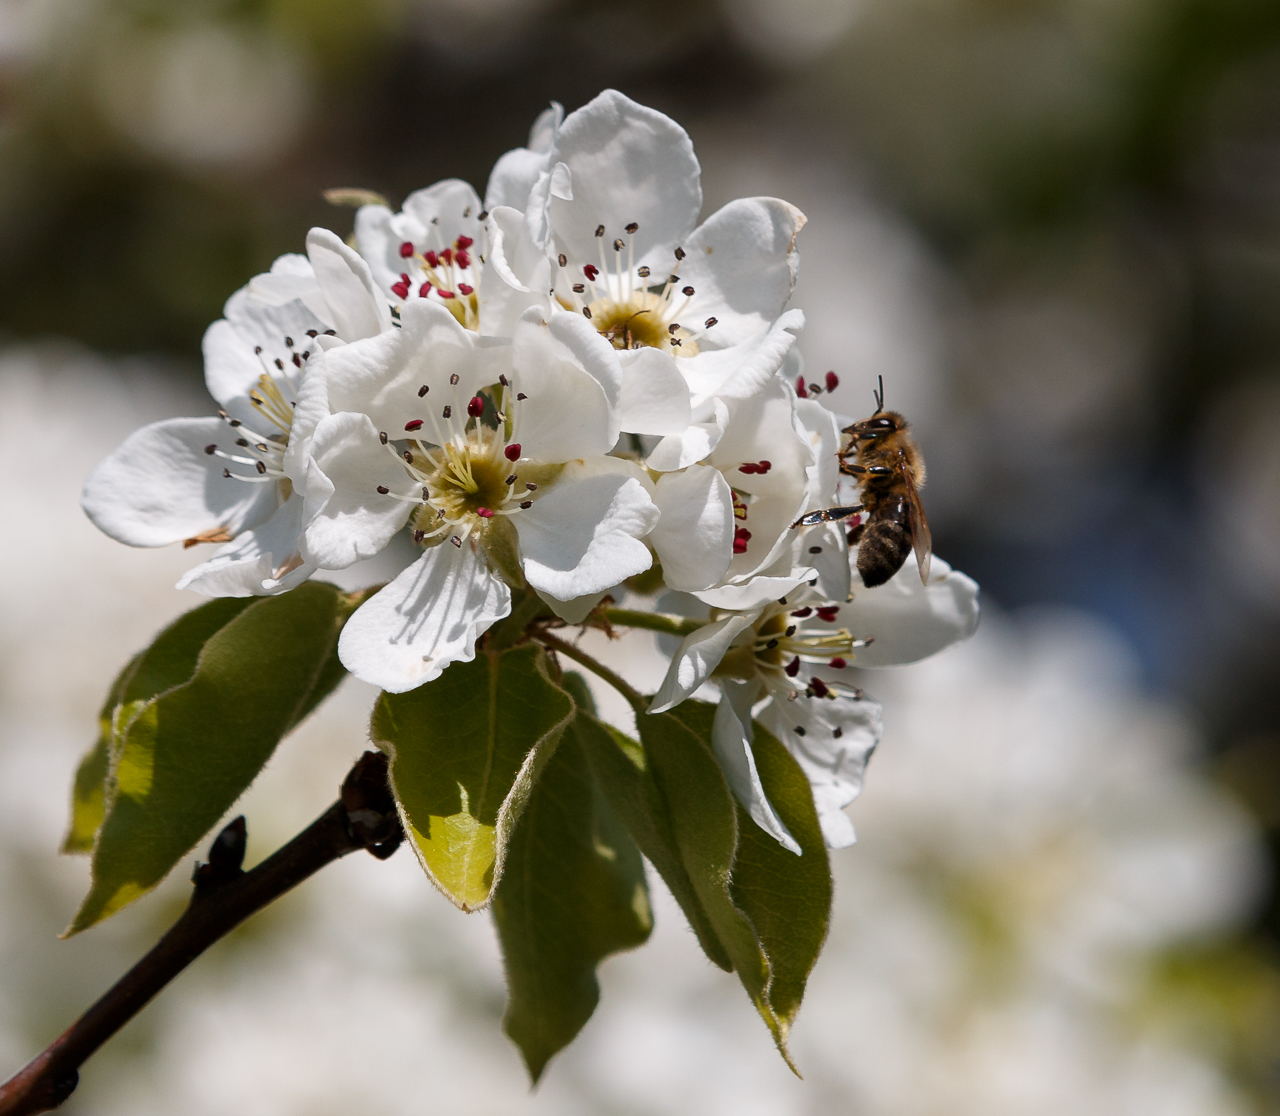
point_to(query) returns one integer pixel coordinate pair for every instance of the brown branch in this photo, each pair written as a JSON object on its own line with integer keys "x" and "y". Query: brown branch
{"x": 638, "y": 700}
{"x": 364, "y": 817}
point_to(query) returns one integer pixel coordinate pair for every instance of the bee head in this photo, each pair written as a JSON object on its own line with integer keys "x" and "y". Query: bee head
{"x": 879, "y": 425}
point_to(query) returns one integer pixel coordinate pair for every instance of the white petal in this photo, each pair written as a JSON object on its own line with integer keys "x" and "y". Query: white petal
{"x": 755, "y": 591}
{"x": 695, "y": 442}
{"x": 239, "y": 349}
{"x": 742, "y": 263}
{"x": 823, "y": 432}
{"x": 516, "y": 276}
{"x": 260, "y": 562}
{"x": 654, "y": 397}
{"x": 382, "y": 376}
{"x": 515, "y": 173}
{"x": 731, "y": 742}
{"x": 574, "y": 611}
{"x": 831, "y": 560}
{"x": 356, "y": 307}
{"x": 566, "y": 413}
{"x": 348, "y": 520}
{"x": 584, "y": 535}
{"x": 742, "y": 370}
{"x": 764, "y": 428}
{"x": 629, "y": 164}
{"x": 429, "y": 617}
{"x": 160, "y": 486}
{"x": 694, "y": 537}
{"x": 910, "y": 621}
{"x": 699, "y": 654}
{"x": 834, "y": 765}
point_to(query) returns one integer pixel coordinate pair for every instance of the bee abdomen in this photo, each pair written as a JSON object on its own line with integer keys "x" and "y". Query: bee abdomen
{"x": 882, "y": 549}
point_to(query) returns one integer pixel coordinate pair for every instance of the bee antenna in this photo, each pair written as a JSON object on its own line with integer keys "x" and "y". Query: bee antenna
{"x": 879, "y": 394}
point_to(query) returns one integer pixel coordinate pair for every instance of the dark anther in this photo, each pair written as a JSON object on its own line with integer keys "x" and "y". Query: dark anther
{"x": 710, "y": 322}
{"x": 526, "y": 504}
{"x": 578, "y": 288}
{"x": 799, "y": 730}
{"x": 226, "y": 473}
{"x": 633, "y": 228}
{"x": 619, "y": 245}
{"x": 679, "y": 253}
{"x": 521, "y": 395}
{"x": 211, "y": 448}
{"x": 288, "y": 341}
{"x": 243, "y": 442}
{"x": 563, "y": 260}
{"x": 453, "y": 380}
{"x": 280, "y": 364}
{"x": 311, "y": 332}
{"x": 482, "y": 215}
{"x": 599, "y": 230}
{"x": 644, "y": 273}
{"x": 586, "y": 311}
{"x": 448, "y": 411}
{"x": 815, "y": 550}
{"x": 261, "y": 467}
{"x": 687, "y": 291}
{"x": 383, "y": 490}
{"x": 382, "y": 437}
{"x": 423, "y": 391}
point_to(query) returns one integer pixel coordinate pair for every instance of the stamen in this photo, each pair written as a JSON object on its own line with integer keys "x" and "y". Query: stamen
{"x": 423, "y": 391}
{"x": 413, "y": 424}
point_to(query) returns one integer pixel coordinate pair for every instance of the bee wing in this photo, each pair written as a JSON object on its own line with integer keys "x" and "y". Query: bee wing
{"x": 921, "y": 539}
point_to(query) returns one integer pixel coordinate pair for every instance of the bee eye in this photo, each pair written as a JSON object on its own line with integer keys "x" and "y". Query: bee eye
{"x": 882, "y": 423}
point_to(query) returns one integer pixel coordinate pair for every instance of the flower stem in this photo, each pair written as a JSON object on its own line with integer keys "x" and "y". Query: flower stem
{"x": 639, "y": 702}
{"x": 653, "y": 621}
{"x": 363, "y": 818}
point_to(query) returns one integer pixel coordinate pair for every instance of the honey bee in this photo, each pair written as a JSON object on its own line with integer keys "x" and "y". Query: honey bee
{"x": 890, "y": 471}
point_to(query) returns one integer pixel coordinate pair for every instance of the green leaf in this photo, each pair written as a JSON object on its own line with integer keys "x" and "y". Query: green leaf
{"x": 620, "y": 768}
{"x": 786, "y": 897}
{"x": 573, "y": 892}
{"x": 465, "y": 750}
{"x": 169, "y": 661}
{"x": 200, "y": 714}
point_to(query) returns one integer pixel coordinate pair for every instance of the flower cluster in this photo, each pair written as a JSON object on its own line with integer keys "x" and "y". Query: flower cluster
{"x": 550, "y": 392}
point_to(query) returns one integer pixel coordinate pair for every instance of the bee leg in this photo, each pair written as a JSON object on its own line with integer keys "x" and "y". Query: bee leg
{"x": 852, "y": 470}
{"x": 854, "y": 535}
{"x": 826, "y": 515}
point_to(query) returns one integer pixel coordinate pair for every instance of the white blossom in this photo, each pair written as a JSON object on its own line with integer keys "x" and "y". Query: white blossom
{"x": 492, "y": 455}
{"x": 603, "y": 213}
{"x": 795, "y": 654}
{"x": 227, "y": 479}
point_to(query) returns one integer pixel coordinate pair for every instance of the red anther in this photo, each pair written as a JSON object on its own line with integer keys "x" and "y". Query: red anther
{"x": 432, "y": 259}
{"x": 424, "y": 290}
{"x": 591, "y": 271}
{"x": 406, "y": 249}
{"x": 748, "y": 468}
{"x": 512, "y": 452}
{"x": 832, "y": 381}
{"x": 803, "y": 612}
{"x": 401, "y": 289}
{"x": 403, "y": 277}
{"x": 414, "y": 424}
{"x": 827, "y": 614}
{"x": 465, "y": 288}
{"x": 463, "y": 242}
{"x": 446, "y": 256}
{"x": 800, "y": 388}
{"x": 765, "y": 466}
{"x": 484, "y": 513}
{"x": 741, "y": 536}
{"x": 793, "y": 667}
{"x": 462, "y": 259}
{"x": 475, "y": 408}
{"x": 445, "y": 294}
{"x": 837, "y": 664}
{"x": 819, "y": 687}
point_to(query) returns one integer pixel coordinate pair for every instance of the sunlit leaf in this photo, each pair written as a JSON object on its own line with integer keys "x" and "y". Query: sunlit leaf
{"x": 201, "y": 713}
{"x": 465, "y": 750}
{"x": 168, "y": 662}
